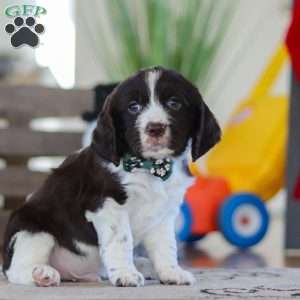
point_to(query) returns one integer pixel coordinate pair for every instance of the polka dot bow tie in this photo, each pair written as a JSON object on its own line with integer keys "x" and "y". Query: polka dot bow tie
{"x": 161, "y": 168}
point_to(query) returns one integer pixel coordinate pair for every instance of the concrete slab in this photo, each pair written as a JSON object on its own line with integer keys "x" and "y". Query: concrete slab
{"x": 211, "y": 284}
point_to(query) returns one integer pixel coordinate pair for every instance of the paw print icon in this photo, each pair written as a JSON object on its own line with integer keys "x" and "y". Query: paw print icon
{"x": 24, "y": 32}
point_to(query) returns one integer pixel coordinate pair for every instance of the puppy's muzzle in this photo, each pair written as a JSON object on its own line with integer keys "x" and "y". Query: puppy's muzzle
{"x": 155, "y": 130}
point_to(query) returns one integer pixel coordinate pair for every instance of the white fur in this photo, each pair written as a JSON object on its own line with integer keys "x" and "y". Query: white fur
{"x": 74, "y": 267}
{"x": 151, "y": 78}
{"x": 113, "y": 229}
{"x": 161, "y": 246}
{"x": 39, "y": 260}
{"x": 30, "y": 251}
{"x": 151, "y": 207}
{"x": 155, "y": 113}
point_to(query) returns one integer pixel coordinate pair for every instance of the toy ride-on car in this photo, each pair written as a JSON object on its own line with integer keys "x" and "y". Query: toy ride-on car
{"x": 244, "y": 170}
{"x": 209, "y": 206}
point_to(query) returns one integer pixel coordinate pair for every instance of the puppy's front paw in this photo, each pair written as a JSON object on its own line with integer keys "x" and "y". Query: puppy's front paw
{"x": 44, "y": 275}
{"x": 176, "y": 276}
{"x": 126, "y": 277}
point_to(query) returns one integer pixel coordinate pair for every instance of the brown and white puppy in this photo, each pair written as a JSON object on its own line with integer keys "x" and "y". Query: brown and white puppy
{"x": 90, "y": 213}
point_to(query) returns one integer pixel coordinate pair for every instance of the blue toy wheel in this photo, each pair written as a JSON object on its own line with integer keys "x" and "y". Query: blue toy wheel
{"x": 243, "y": 219}
{"x": 184, "y": 223}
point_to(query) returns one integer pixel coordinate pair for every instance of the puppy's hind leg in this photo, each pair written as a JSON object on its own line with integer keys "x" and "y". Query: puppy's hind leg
{"x": 30, "y": 258}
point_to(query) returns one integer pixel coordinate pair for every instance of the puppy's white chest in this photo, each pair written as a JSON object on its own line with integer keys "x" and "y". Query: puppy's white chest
{"x": 147, "y": 202}
{"x": 151, "y": 200}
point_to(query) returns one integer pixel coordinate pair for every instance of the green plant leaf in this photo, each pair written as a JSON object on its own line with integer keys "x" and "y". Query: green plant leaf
{"x": 182, "y": 35}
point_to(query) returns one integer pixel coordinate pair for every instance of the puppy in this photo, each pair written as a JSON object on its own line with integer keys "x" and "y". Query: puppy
{"x": 125, "y": 189}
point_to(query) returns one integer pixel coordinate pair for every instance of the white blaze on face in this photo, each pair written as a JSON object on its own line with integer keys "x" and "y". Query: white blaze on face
{"x": 154, "y": 113}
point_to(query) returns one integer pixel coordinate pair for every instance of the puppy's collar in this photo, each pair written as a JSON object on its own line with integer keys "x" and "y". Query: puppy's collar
{"x": 161, "y": 168}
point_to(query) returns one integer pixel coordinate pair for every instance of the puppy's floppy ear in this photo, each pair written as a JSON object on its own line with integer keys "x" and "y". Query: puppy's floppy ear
{"x": 104, "y": 141}
{"x": 207, "y": 130}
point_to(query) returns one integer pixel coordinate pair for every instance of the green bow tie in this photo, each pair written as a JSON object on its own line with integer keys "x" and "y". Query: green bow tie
{"x": 161, "y": 168}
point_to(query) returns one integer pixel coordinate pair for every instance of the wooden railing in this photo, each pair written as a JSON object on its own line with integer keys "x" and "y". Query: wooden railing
{"x": 19, "y": 105}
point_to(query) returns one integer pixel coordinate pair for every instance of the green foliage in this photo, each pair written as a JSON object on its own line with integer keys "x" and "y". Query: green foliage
{"x": 185, "y": 35}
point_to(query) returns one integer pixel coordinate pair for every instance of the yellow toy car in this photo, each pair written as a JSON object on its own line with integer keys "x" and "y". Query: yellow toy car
{"x": 245, "y": 169}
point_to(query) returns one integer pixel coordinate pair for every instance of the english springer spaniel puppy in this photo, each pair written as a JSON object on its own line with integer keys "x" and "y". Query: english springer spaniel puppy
{"x": 123, "y": 190}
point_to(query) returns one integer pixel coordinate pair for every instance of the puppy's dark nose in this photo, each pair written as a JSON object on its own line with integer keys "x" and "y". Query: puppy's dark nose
{"x": 155, "y": 129}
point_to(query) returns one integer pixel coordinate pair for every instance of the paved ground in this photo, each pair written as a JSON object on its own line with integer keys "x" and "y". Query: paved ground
{"x": 211, "y": 284}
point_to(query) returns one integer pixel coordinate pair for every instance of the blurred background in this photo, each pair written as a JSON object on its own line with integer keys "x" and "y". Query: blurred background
{"x": 228, "y": 48}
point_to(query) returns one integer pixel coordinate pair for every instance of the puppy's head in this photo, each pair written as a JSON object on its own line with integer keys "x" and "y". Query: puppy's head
{"x": 154, "y": 114}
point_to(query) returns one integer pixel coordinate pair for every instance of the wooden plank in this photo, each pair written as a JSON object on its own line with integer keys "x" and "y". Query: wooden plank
{"x": 4, "y": 216}
{"x": 24, "y": 142}
{"x": 21, "y": 103}
{"x": 20, "y": 182}
{"x": 11, "y": 203}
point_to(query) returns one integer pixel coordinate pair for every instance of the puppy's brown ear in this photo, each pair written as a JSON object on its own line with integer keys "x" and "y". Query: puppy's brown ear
{"x": 104, "y": 141}
{"x": 207, "y": 130}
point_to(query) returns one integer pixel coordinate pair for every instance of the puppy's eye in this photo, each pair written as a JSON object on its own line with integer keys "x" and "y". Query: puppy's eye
{"x": 134, "y": 107}
{"x": 174, "y": 103}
